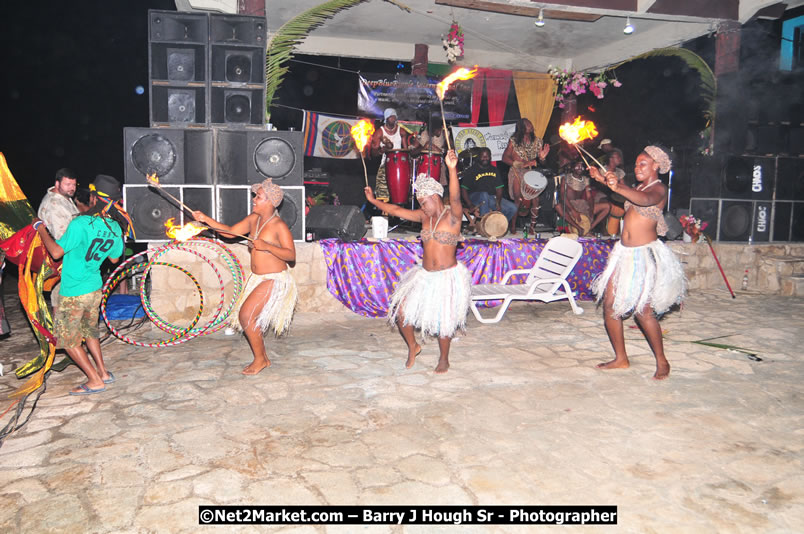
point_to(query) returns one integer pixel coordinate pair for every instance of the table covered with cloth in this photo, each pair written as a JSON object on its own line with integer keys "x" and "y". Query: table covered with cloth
{"x": 363, "y": 274}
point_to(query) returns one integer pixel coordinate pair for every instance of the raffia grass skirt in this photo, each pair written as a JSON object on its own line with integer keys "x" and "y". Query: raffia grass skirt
{"x": 648, "y": 275}
{"x": 434, "y": 301}
{"x": 277, "y": 312}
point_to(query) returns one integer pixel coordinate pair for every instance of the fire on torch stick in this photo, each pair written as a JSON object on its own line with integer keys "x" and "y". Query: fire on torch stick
{"x": 575, "y": 132}
{"x": 190, "y": 230}
{"x": 361, "y": 133}
{"x": 153, "y": 180}
{"x": 442, "y": 88}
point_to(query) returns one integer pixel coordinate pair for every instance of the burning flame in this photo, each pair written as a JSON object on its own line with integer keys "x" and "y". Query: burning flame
{"x": 182, "y": 233}
{"x": 460, "y": 74}
{"x": 152, "y": 179}
{"x": 361, "y": 133}
{"x": 577, "y": 131}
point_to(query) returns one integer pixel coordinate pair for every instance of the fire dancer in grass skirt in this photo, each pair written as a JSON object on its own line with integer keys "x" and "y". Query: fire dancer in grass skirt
{"x": 643, "y": 276}
{"x": 269, "y": 296}
{"x": 433, "y": 296}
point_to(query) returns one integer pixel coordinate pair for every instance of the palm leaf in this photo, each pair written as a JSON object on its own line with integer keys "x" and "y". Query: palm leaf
{"x": 694, "y": 61}
{"x": 288, "y": 36}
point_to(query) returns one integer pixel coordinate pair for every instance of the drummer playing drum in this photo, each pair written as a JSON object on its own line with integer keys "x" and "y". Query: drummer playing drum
{"x": 386, "y": 138}
{"x": 432, "y": 141}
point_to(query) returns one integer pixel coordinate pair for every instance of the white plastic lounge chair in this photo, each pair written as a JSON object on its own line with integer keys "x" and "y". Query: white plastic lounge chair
{"x": 546, "y": 281}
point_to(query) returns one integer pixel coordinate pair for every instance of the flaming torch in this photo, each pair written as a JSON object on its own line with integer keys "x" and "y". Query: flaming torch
{"x": 442, "y": 88}
{"x": 575, "y": 132}
{"x": 361, "y": 133}
{"x": 153, "y": 181}
{"x": 182, "y": 233}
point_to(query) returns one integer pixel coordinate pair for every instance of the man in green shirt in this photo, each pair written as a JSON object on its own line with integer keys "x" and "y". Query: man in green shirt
{"x": 87, "y": 242}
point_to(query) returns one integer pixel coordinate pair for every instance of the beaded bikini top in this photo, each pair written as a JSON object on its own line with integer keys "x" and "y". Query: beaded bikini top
{"x": 444, "y": 238}
{"x": 651, "y": 212}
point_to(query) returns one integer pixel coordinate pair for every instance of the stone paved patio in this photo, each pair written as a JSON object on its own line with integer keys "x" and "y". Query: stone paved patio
{"x": 522, "y": 417}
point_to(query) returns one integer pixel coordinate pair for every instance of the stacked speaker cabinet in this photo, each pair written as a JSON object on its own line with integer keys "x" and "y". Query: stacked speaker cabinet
{"x": 237, "y": 70}
{"x": 176, "y": 156}
{"x": 233, "y": 204}
{"x": 251, "y": 156}
{"x": 177, "y": 59}
{"x": 150, "y": 210}
{"x": 749, "y": 198}
{"x": 206, "y": 69}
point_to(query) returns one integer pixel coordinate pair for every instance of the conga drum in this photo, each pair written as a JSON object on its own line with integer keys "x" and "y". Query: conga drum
{"x": 613, "y": 222}
{"x": 397, "y": 174}
{"x": 493, "y": 224}
{"x": 430, "y": 164}
{"x": 533, "y": 184}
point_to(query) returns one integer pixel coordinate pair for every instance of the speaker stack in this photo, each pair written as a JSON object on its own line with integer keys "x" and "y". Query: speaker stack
{"x": 207, "y": 142}
{"x": 750, "y": 198}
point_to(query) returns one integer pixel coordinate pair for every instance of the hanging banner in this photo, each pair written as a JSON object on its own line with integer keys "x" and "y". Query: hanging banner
{"x": 413, "y": 97}
{"x": 494, "y": 137}
{"x": 326, "y": 136}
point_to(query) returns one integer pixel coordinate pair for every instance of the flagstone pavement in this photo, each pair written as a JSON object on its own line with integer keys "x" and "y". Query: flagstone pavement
{"x": 522, "y": 418}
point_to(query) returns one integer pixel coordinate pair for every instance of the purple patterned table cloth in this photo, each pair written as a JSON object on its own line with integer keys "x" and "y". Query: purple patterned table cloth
{"x": 363, "y": 274}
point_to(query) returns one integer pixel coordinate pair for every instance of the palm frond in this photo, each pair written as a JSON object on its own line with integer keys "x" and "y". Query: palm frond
{"x": 288, "y": 36}
{"x": 694, "y": 61}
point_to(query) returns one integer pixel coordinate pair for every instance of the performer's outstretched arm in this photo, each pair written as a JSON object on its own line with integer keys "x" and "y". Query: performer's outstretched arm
{"x": 393, "y": 209}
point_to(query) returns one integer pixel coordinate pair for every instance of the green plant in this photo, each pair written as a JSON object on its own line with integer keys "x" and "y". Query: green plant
{"x": 288, "y": 36}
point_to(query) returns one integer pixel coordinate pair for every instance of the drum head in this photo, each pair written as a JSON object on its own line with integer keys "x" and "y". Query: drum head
{"x": 533, "y": 183}
{"x": 493, "y": 224}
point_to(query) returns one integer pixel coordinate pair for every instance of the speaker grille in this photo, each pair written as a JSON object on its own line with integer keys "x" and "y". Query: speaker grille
{"x": 238, "y": 108}
{"x": 153, "y": 154}
{"x": 238, "y": 67}
{"x": 274, "y": 158}
{"x": 181, "y": 105}
{"x": 180, "y": 64}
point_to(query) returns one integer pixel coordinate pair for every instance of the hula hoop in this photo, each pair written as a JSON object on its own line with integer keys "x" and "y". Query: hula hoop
{"x": 180, "y": 335}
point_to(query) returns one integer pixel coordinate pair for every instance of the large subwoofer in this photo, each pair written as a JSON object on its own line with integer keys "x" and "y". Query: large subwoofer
{"x": 251, "y": 156}
{"x": 150, "y": 210}
{"x": 234, "y": 204}
{"x": 177, "y": 156}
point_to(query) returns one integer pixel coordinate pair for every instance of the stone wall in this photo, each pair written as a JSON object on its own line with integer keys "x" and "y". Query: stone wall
{"x": 772, "y": 269}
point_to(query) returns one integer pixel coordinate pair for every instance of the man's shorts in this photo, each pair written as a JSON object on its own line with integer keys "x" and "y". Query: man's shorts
{"x": 77, "y": 318}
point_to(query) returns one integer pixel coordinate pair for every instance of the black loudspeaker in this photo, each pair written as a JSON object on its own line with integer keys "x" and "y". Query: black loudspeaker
{"x": 747, "y": 177}
{"x": 706, "y": 173}
{"x": 237, "y": 70}
{"x": 149, "y": 210}
{"x": 790, "y": 179}
{"x": 237, "y": 107}
{"x": 343, "y": 222}
{"x": 735, "y": 220}
{"x": 767, "y": 139}
{"x": 674, "y": 228}
{"x": 234, "y": 204}
{"x": 251, "y": 156}
{"x": 178, "y": 71}
{"x": 177, "y": 156}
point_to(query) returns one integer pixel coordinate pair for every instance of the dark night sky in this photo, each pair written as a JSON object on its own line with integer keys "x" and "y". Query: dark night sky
{"x": 70, "y": 70}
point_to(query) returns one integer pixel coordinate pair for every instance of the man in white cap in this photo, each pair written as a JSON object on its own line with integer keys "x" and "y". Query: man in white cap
{"x": 387, "y": 137}
{"x": 606, "y": 146}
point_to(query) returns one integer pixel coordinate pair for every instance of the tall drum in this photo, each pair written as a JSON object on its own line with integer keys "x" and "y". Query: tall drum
{"x": 397, "y": 174}
{"x": 430, "y": 164}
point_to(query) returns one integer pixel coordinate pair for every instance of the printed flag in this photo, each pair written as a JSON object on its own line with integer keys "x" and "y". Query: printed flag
{"x": 326, "y": 136}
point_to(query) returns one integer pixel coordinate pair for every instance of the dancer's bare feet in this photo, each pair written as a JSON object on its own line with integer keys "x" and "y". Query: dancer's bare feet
{"x": 412, "y": 353}
{"x": 442, "y": 367}
{"x": 256, "y": 366}
{"x": 662, "y": 371}
{"x": 616, "y": 363}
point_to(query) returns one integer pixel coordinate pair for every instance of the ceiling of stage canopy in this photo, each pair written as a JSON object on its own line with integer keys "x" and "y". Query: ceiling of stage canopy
{"x": 583, "y": 34}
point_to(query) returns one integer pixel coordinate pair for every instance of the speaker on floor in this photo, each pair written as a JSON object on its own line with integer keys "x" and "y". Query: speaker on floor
{"x": 674, "y": 228}
{"x": 234, "y": 204}
{"x": 708, "y": 211}
{"x": 251, "y": 156}
{"x": 177, "y": 73}
{"x": 343, "y": 222}
{"x": 177, "y": 156}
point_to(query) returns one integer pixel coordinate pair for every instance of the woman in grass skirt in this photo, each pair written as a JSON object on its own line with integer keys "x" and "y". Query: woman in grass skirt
{"x": 433, "y": 296}
{"x": 642, "y": 276}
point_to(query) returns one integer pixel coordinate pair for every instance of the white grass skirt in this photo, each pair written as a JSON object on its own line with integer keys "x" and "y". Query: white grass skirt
{"x": 648, "y": 275}
{"x": 434, "y": 301}
{"x": 277, "y": 312}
